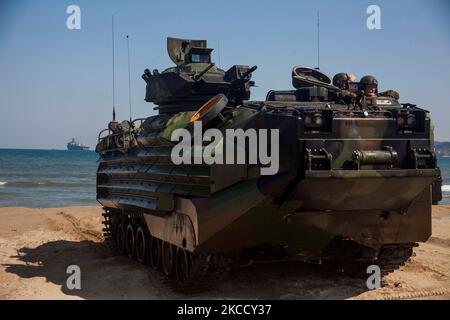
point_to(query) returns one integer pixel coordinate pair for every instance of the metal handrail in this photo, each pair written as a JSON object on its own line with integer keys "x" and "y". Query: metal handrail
{"x": 100, "y": 133}
{"x": 114, "y": 135}
{"x": 138, "y": 119}
{"x": 110, "y": 136}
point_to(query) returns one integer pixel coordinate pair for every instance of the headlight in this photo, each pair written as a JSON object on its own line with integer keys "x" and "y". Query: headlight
{"x": 314, "y": 120}
{"x": 406, "y": 121}
{"x": 411, "y": 121}
{"x": 318, "y": 120}
{"x": 307, "y": 120}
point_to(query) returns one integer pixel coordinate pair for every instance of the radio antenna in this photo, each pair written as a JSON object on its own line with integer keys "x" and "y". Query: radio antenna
{"x": 318, "y": 40}
{"x": 129, "y": 76}
{"x": 113, "y": 72}
{"x": 218, "y": 51}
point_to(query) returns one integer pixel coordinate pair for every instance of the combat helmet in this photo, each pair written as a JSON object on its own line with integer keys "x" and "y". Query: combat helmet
{"x": 369, "y": 80}
{"x": 340, "y": 79}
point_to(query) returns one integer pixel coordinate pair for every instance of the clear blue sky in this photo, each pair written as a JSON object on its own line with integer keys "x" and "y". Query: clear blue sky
{"x": 55, "y": 83}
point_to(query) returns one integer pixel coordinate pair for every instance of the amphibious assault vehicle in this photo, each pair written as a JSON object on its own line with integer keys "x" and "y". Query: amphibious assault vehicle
{"x": 353, "y": 185}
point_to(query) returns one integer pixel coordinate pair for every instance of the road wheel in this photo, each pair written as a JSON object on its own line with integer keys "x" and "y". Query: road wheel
{"x": 167, "y": 258}
{"x": 155, "y": 253}
{"x": 183, "y": 267}
{"x": 141, "y": 245}
{"x": 120, "y": 238}
{"x": 130, "y": 241}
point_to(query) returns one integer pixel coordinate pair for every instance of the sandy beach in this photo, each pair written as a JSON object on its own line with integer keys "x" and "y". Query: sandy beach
{"x": 37, "y": 245}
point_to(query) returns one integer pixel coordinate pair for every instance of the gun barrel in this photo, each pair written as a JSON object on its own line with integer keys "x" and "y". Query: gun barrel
{"x": 249, "y": 71}
{"x": 198, "y": 76}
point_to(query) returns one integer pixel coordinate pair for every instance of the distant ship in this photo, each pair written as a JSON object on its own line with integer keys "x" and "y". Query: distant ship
{"x": 75, "y": 145}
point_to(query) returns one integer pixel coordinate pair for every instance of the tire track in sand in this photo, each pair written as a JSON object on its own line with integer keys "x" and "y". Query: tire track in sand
{"x": 85, "y": 234}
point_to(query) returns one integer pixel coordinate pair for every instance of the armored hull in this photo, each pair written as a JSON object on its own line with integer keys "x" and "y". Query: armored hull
{"x": 352, "y": 188}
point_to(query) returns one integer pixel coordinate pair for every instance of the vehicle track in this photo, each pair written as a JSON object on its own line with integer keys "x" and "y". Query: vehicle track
{"x": 85, "y": 234}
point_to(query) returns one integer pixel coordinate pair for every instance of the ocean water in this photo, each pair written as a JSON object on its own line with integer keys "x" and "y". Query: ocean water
{"x": 444, "y": 164}
{"x": 57, "y": 178}
{"x": 47, "y": 178}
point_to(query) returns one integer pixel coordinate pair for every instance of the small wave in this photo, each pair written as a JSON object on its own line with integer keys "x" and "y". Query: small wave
{"x": 84, "y": 200}
{"x": 2, "y": 183}
{"x": 30, "y": 184}
{"x": 446, "y": 188}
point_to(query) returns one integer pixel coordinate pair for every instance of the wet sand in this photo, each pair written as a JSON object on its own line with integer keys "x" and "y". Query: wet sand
{"x": 37, "y": 245}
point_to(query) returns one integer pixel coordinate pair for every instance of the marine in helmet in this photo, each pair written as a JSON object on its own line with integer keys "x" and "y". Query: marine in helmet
{"x": 369, "y": 86}
{"x": 343, "y": 81}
